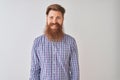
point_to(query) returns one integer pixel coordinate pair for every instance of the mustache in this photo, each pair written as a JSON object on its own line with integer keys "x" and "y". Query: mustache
{"x": 57, "y": 24}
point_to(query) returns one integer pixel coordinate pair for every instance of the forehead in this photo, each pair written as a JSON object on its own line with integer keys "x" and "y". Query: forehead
{"x": 54, "y": 13}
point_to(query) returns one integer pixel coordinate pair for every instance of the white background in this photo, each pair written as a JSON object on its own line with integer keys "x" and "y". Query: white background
{"x": 93, "y": 23}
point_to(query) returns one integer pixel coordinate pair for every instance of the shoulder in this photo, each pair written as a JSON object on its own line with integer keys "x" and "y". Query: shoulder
{"x": 39, "y": 39}
{"x": 69, "y": 39}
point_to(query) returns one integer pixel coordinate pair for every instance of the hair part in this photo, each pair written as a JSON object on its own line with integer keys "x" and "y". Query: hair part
{"x": 55, "y": 7}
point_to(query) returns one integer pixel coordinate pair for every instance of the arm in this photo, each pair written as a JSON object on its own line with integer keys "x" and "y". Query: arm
{"x": 35, "y": 68}
{"x": 74, "y": 64}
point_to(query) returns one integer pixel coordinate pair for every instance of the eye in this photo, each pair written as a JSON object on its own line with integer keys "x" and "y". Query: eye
{"x": 58, "y": 17}
{"x": 51, "y": 17}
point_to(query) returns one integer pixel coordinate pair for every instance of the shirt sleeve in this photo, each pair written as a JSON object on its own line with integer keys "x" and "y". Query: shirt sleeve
{"x": 35, "y": 68}
{"x": 74, "y": 64}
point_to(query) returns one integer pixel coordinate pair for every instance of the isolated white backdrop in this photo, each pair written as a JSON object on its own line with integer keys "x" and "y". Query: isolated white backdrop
{"x": 93, "y": 23}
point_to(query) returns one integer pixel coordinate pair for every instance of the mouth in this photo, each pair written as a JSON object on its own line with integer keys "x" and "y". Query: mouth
{"x": 54, "y": 27}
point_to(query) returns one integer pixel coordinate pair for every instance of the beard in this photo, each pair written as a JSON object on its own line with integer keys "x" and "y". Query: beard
{"x": 54, "y": 34}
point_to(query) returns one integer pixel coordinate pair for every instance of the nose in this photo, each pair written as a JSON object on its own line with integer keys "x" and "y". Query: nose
{"x": 54, "y": 20}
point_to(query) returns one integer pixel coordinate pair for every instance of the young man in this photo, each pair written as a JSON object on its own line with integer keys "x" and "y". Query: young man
{"x": 54, "y": 54}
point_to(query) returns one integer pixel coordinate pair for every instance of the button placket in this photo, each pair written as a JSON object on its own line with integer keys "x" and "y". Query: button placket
{"x": 53, "y": 59}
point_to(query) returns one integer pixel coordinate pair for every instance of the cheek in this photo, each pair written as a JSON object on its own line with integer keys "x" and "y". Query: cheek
{"x": 48, "y": 21}
{"x": 60, "y": 22}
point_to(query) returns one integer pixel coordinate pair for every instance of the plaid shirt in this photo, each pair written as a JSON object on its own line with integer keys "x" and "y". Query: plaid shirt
{"x": 54, "y": 60}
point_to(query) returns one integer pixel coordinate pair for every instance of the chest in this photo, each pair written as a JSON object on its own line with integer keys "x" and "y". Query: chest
{"x": 53, "y": 51}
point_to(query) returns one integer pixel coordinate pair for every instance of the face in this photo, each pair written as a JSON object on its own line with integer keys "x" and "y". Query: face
{"x": 54, "y": 30}
{"x": 54, "y": 17}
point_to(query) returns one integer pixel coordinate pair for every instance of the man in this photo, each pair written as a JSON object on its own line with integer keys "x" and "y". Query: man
{"x": 54, "y": 54}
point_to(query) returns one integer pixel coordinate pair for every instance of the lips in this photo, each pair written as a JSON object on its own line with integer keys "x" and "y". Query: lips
{"x": 56, "y": 24}
{"x": 54, "y": 27}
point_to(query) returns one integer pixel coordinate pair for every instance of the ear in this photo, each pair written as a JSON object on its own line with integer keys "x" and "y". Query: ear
{"x": 46, "y": 17}
{"x": 63, "y": 18}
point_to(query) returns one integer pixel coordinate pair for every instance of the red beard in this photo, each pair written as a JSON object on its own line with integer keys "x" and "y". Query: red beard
{"x": 54, "y": 34}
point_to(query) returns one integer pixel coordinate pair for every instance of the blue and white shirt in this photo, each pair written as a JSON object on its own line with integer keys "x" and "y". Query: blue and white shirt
{"x": 54, "y": 60}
